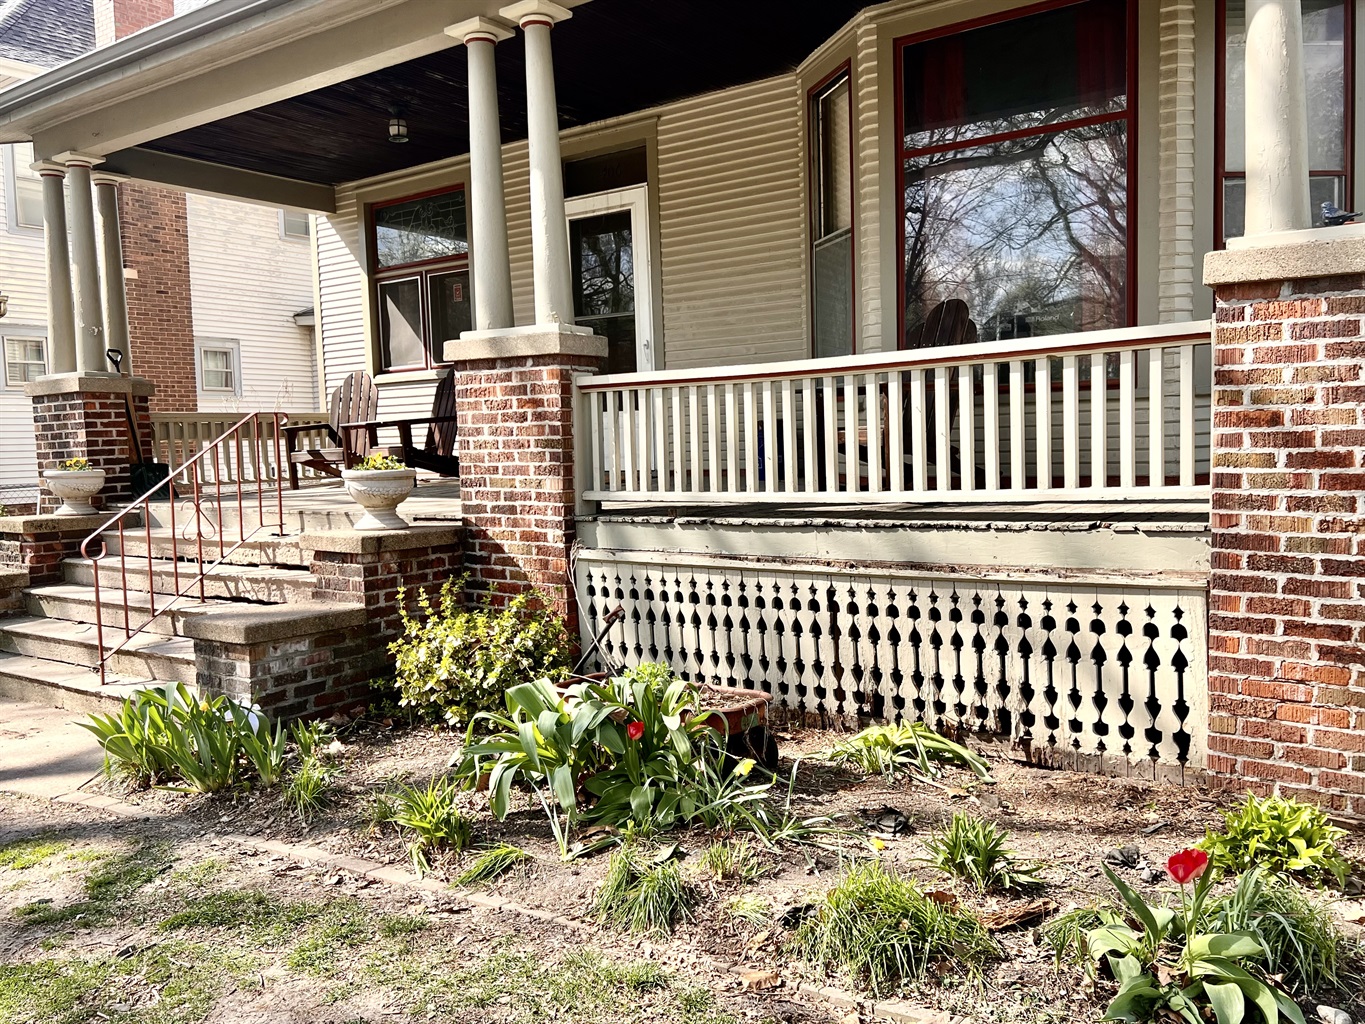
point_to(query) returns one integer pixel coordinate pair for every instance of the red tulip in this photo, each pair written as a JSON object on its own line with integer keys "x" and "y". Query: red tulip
{"x": 637, "y": 729}
{"x": 1187, "y": 865}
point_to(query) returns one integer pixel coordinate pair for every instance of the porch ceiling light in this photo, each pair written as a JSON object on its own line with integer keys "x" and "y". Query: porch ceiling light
{"x": 398, "y": 127}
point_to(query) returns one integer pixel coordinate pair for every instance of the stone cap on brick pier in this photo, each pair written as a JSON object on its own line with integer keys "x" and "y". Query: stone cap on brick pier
{"x": 85, "y": 383}
{"x": 1288, "y": 256}
{"x": 531, "y": 342}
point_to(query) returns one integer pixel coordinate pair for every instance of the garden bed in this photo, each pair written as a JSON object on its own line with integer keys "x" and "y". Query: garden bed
{"x": 1065, "y": 822}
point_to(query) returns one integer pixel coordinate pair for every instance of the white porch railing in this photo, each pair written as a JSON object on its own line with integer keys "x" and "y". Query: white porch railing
{"x": 1124, "y": 414}
{"x": 177, "y": 437}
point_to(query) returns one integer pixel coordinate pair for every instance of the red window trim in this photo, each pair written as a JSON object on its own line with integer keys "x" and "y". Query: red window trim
{"x": 1130, "y": 113}
{"x": 844, "y": 69}
{"x": 1348, "y": 35}
{"x": 421, "y": 270}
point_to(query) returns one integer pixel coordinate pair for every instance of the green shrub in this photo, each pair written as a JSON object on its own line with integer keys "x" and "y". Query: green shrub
{"x": 974, "y": 849}
{"x": 461, "y": 662}
{"x": 906, "y": 748}
{"x": 1304, "y": 949}
{"x": 1281, "y": 835}
{"x": 882, "y": 930}
{"x": 644, "y": 896}
{"x": 430, "y": 819}
{"x": 491, "y": 864}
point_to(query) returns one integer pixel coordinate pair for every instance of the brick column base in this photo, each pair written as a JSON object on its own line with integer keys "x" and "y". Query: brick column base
{"x": 1287, "y": 590}
{"x": 76, "y": 416}
{"x": 514, "y": 399}
{"x": 37, "y": 545}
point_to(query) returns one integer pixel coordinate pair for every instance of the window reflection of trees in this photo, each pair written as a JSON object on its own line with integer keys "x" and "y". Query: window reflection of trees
{"x": 424, "y": 229}
{"x": 1030, "y": 231}
{"x": 607, "y": 273}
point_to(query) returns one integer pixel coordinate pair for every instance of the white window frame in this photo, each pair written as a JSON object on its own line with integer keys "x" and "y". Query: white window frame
{"x": 12, "y": 185}
{"x": 229, "y": 345}
{"x": 288, "y": 236}
{"x": 20, "y": 334}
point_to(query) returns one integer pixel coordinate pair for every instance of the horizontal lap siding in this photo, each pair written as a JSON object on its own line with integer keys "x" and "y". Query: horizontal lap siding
{"x": 246, "y": 284}
{"x": 732, "y": 229}
{"x": 341, "y": 316}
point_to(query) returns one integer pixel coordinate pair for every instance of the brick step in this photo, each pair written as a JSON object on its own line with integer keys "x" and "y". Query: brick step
{"x": 144, "y": 655}
{"x": 262, "y": 549}
{"x": 261, "y": 584}
{"x": 57, "y": 684}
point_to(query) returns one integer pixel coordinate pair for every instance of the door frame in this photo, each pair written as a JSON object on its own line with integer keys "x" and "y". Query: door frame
{"x": 635, "y": 200}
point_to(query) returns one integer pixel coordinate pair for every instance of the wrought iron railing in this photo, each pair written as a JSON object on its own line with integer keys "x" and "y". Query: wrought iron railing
{"x": 194, "y": 498}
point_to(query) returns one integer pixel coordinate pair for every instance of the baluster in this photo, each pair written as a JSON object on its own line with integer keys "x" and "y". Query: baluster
{"x": 1071, "y": 441}
{"x": 1186, "y": 431}
{"x": 1042, "y": 420}
{"x": 1127, "y": 415}
{"x": 645, "y": 427}
{"x": 770, "y": 440}
{"x": 659, "y": 427}
{"x": 712, "y": 445}
{"x": 918, "y": 458}
{"x": 750, "y": 420}
{"x": 628, "y": 437}
{"x": 1156, "y": 419}
{"x": 895, "y": 432}
{"x": 731, "y": 442}
{"x": 966, "y": 426}
{"x": 990, "y": 424}
{"x": 611, "y": 438}
{"x": 678, "y": 483}
{"x": 788, "y": 432}
{"x": 831, "y": 438}
{"x": 810, "y": 473}
{"x": 852, "y": 462}
{"x": 873, "y": 404}
{"x": 1099, "y": 421}
{"x": 694, "y": 438}
{"x": 943, "y": 449}
{"x": 1018, "y": 436}
{"x": 596, "y": 438}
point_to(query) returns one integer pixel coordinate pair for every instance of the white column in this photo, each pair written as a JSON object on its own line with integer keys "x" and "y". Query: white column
{"x": 85, "y": 262}
{"x": 549, "y": 229}
{"x": 111, "y": 252}
{"x": 61, "y": 314}
{"x": 487, "y": 206}
{"x": 1276, "y": 119}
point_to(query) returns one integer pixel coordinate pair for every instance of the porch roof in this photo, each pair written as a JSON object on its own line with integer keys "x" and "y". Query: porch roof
{"x": 250, "y": 99}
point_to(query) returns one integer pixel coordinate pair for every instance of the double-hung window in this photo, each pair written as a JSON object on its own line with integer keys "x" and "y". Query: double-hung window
{"x": 421, "y": 248}
{"x": 219, "y": 367}
{"x": 1328, "y": 66}
{"x": 1015, "y": 164}
{"x": 26, "y": 205}
{"x": 831, "y": 130}
{"x": 25, "y": 360}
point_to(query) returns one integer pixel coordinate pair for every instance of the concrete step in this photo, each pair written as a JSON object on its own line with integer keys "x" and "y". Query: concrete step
{"x": 144, "y": 655}
{"x": 76, "y": 603}
{"x": 262, "y": 584}
{"x": 262, "y": 549}
{"x": 59, "y": 685}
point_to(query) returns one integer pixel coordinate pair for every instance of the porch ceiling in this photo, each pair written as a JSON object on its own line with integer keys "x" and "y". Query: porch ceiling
{"x": 612, "y": 57}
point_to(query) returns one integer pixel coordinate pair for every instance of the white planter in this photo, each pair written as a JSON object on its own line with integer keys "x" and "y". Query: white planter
{"x": 75, "y": 487}
{"x": 379, "y": 492}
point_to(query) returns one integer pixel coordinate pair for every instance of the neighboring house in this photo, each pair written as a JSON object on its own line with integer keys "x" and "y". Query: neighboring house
{"x": 921, "y": 397}
{"x": 249, "y": 272}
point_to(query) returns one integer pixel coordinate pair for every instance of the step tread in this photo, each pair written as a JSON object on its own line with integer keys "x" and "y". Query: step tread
{"x": 80, "y": 593}
{"x": 72, "y": 677}
{"x": 84, "y": 634}
{"x": 139, "y": 563}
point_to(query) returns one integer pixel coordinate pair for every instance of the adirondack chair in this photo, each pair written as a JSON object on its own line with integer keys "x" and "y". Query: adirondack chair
{"x": 948, "y": 323}
{"x": 355, "y": 400}
{"x": 437, "y": 453}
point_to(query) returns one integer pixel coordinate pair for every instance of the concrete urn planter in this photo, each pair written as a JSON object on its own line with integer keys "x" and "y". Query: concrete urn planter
{"x": 75, "y": 487}
{"x": 379, "y": 492}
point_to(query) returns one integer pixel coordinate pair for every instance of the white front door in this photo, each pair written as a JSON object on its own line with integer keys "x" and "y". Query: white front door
{"x": 612, "y": 287}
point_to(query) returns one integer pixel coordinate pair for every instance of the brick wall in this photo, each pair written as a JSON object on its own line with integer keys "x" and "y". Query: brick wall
{"x": 92, "y": 425}
{"x": 132, "y": 15}
{"x": 1287, "y": 590}
{"x": 36, "y": 546}
{"x": 517, "y": 475}
{"x": 160, "y": 316}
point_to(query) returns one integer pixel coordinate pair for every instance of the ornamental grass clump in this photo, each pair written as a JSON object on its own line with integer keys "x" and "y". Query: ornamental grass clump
{"x": 644, "y": 896}
{"x": 430, "y": 819}
{"x": 975, "y": 850}
{"x": 882, "y": 930}
{"x": 455, "y": 662}
{"x": 1280, "y": 835}
{"x": 906, "y": 748}
{"x": 492, "y": 864}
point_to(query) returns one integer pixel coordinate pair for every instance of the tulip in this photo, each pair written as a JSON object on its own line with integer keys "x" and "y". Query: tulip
{"x": 1187, "y": 865}
{"x": 637, "y": 729}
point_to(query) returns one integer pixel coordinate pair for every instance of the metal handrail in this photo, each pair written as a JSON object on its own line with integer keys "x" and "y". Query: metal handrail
{"x": 233, "y": 436}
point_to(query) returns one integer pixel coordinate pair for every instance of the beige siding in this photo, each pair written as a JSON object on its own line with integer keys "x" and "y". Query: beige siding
{"x": 246, "y": 284}
{"x": 869, "y": 140}
{"x": 732, "y": 227}
{"x": 341, "y": 275}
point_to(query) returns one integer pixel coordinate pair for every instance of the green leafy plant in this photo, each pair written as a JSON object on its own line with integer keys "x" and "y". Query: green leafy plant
{"x": 906, "y": 748}
{"x": 77, "y": 465}
{"x": 732, "y": 861}
{"x": 135, "y": 739}
{"x": 881, "y": 929}
{"x": 492, "y": 864}
{"x": 644, "y": 896}
{"x": 1281, "y": 835}
{"x": 975, "y": 850}
{"x": 265, "y": 746}
{"x": 379, "y": 461}
{"x": 750, "y": 908}
{"x": 311, "y": 737}
{"x": 307, "y": 789}
{"x": 1171, "y": 966}
{"x": 431, "y": 820}
{"x": 461, "y": 661}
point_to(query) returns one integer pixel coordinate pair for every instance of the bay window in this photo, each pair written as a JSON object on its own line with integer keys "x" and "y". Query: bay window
{"x": 421, "y": 259}
{"x": 1015, "y": 168}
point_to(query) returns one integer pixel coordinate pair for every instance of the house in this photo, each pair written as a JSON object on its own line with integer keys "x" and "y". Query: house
{"x": 982, "y": 361}
{"x": 211, "y": 357}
